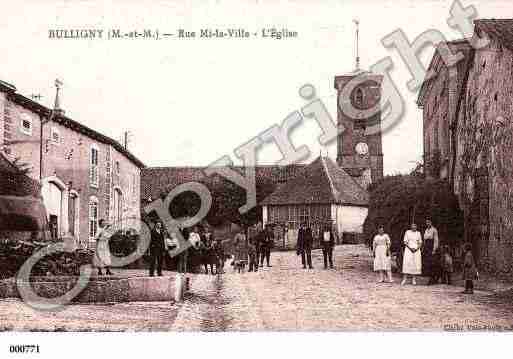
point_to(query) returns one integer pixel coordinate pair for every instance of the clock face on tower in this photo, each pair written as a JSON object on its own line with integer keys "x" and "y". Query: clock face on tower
{"x": 362, "y": 148}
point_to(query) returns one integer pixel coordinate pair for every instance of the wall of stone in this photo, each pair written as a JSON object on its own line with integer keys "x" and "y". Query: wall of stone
{"x": 485, "y": 147}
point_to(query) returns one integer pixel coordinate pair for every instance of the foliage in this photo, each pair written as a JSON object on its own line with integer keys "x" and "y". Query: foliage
{"x": 227, "y": 198}
{"x": 123, "y": 243}
{"x": 23, "y": 167}
{"x": 397, "y": 201}
{"x": 14, "y": 253}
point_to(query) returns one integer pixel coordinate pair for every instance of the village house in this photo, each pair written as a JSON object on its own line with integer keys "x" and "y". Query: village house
{"x": 323, "y": 195}
{"x": 467, "y": 111}
{"x": 84, "y": 175}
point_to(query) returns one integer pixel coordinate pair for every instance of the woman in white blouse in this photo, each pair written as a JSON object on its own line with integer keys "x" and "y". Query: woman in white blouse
{"x": 412, "y": 259}
{"x": 381, "y": 251}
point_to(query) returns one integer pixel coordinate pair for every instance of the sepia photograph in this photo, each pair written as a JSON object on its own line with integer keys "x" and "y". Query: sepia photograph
{"x": 262, "y": 167}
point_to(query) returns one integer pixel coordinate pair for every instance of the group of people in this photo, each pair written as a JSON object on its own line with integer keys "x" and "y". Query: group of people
{"x": 253, "y": 251}
{"x": 437, "y": 258}
{"x": 210, "y": 252}
{"x": 305, "y": 244}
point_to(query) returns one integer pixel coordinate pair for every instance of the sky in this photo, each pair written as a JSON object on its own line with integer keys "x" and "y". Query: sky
{"x": 187, "y": 102}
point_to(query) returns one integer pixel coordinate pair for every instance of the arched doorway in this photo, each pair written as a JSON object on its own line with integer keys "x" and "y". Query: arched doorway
{"x": 53, "y": 192}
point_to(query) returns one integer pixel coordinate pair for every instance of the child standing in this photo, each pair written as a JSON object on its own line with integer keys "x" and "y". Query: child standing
{"x": 447, "y": 266}
{"x": 469, "y": 270}
{"x": 241, "y": 252}
{"x": 252, "y": 254}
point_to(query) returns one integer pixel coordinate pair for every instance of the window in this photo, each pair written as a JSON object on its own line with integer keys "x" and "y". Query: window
{"x": 359, "y": 97}
{"x": 360, "y": 124}
{"x": 118, "y": 168}
{"x": 26, "y": 124}
{"x": 93, "y": 217}
{"x": 132, "y": 185}
{"x": 93, "y": 173}
{"x": 55, "y": 136}
{"x": 118, "y": 206}
{"x": 304, "y": 214}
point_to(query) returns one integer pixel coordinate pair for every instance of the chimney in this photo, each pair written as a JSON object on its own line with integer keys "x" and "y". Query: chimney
{"x": 57, "y": 106}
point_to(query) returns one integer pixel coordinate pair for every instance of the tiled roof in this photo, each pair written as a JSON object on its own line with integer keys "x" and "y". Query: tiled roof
{"x": 156, "y": 180}
{"x": 323, "y": 182}
{"x": 500, "y": 29}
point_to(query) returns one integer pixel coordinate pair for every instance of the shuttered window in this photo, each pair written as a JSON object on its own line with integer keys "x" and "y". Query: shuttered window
{"x": 93, "y": 173}
{"x": 93, "y": 218}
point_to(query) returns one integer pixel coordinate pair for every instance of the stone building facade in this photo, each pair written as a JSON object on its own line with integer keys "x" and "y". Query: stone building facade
{"x": 84, "y": 175}
{"x": 479, "y": 142}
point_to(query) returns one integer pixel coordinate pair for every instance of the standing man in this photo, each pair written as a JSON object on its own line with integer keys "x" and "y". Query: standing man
{"x": 157, "y": 248}
{"x": 183, "y": 256}
{"x": 304, "y": 245}
{"x": 327, "y": 243}
{"x": 266, "y": 245}
{"x": 259, "y": 247}
{"x": 429, "y": 251}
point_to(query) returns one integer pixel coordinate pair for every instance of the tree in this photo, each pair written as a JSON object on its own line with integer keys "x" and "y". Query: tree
{"x": 397, "y": 201}
{"x": 227, "y": 198}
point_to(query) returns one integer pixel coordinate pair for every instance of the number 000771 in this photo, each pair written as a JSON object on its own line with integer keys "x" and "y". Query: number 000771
{"x": 24, "y": 349}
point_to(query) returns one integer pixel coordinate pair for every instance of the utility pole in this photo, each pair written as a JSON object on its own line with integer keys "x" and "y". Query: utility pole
{"x": 357, "y": 65}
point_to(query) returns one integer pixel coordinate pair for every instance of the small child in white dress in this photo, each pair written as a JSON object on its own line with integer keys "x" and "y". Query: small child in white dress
{"x": 381, "y": 251}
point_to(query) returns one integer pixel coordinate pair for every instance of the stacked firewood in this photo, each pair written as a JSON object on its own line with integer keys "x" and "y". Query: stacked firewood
{"x": 14, "y": 253}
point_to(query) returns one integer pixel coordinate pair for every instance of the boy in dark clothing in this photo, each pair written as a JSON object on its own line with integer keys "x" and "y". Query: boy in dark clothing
{"x": 469, "y": 270}
{"x": 253, "y": 261}
{"x": 447, "y": 266}
{"x": 219, "y": 253}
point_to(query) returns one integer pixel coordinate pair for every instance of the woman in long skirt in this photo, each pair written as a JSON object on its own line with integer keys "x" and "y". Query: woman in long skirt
{"x": 102, "y": 256}
{"x": 412, "y": 259}
{"x": 381, "y": 250}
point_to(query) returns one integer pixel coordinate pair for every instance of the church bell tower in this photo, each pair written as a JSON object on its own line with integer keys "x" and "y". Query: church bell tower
{"x": 359, "y": 145}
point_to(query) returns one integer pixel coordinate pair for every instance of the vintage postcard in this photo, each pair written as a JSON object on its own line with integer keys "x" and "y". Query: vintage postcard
{"x": 254, "y": 166}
